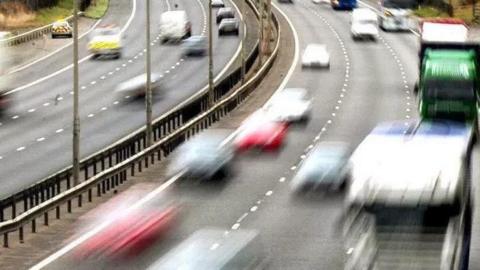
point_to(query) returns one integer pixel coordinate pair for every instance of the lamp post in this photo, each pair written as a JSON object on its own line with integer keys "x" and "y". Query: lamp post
{"x": 148, "y": 87}
{"x": 76, "y": 117}
{"x": 210, "y": 56}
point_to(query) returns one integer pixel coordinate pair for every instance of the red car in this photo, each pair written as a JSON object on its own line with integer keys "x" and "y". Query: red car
{"x": 128, "y": 235}
{"x": 260, "y": 132}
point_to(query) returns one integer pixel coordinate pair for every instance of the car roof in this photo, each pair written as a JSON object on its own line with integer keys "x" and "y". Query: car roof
{"x": 315, "y": 46}
{"x": 229, "y": 21}
{"x": 225, "y": 9}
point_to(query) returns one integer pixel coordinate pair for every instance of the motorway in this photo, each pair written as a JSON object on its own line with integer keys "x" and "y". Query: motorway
{"x": 36, "y": 130}
{"x": 368, "y": 82}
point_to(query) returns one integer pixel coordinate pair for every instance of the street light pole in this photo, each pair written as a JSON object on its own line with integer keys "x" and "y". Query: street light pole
{"x": 148, "y": 90}
{"x": 261, "y": 31}
{"x": 243, "y": 42}
{"x": 210, "y": 56}
{"x": 76, "y": 117}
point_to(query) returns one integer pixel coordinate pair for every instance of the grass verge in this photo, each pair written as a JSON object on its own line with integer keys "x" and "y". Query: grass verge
{"x": 98, "y": 10}
{"x": 461, "y": 12}
{"x": 46, "y": 16}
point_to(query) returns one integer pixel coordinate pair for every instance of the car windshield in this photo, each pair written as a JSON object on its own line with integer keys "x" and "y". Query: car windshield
{"x": 449, "y": 90}
{"x": 404, "y": 4}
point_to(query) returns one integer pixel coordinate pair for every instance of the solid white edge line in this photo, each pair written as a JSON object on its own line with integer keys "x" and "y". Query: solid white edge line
{"x": 54, "y": 52}
{"x": 378, "y": 11}
{"x": 103, "y": 225}
{"x": 23, "y": 87}
{"x": 168, "y": 5}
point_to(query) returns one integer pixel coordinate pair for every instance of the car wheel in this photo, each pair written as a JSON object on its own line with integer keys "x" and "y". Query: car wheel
{"x": 118, "y": 55}
{"x": 220, "y": 32}
{"x": 237, "y": 32}
{"x": 54, "y": 36}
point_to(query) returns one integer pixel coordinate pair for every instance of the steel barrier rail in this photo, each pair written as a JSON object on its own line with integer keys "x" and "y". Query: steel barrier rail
{"x": 31, "y": 35}
{"x": 117, "y": 174}
{"x": 123, "y": 149}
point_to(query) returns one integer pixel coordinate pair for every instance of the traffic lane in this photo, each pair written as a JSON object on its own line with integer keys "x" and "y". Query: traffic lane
{"x": 97, "y": 85}
{"x": 118, "y": 13}
{"x": 97, "y": 131}
{"x": 98, "y": 93}
{"x": 305, "y": 232}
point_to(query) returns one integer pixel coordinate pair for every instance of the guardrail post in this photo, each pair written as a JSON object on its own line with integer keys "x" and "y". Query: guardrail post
{"x": 102, "y": 164}
{"x": 57, "y": 212}
{"x": 94, "y": 168}
{"x": 34, "y": 225}
{"x": 2, "y": 218}
{"x": 89, "y": 195}
{"x": 5, "y": 240}
{"x": 20, "y": 234}
{"x": 14, "y": 209}
{"x": 25, "y": 201}
{"x": 99, "y": 194}
{"x": 45, "y": 217}
{"x": 69, "y": 206}
{"x": 80, "y": 197}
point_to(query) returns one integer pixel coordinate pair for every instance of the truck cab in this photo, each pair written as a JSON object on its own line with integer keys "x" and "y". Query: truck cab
{"x": 447, "y": 86}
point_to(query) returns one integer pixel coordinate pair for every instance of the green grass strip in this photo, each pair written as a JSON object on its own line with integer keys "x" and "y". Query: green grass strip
{"x": 98, "y": 10}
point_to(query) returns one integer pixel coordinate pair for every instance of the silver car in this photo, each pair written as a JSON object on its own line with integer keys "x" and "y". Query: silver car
{"x": 203, "y": 157}
{"x": 224, "y": 13}
{"x": 326, "y": 166}
{"x": 213, "y": 249}
{"x": 135, "y": 87}
{"x": 195, "y": 45}
{"x": 229, "y": 26}
{"x": 290, "y": 105}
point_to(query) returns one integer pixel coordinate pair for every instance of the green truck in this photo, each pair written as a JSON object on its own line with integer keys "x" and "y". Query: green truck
{"x": 448, "y": 78}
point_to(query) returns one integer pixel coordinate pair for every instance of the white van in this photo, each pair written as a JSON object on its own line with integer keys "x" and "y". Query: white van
{"x": 174, "y": 25}
{"x": 364, "y": 24}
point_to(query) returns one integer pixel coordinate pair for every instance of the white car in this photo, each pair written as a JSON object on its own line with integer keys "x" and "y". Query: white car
{"x": 364, "y": 24}
{"x": 175, "y": 25}
{"x": 135, "y": 86}
{"x": 316, "y": 55}
{"x": 290, "y": 105}
{"x": 218, "y": 3}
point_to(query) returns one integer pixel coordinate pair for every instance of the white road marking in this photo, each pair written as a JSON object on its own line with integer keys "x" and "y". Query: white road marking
{"x": 21, "y": 148}
{"x": 15, "y": 117}
{"x": 32, "y": 110}
{"x": 269, "y": 193}
{"x": 254, "y": 208}
{"x": 242, "y": 217}
{"x": 41, "y": 139}
{"x": 46, "y": 104}
{"x": 281, "y": 180}
{"x": 235, "y": 226}
{"x": 59, "y": 130}
{"x": 91, "y": 115}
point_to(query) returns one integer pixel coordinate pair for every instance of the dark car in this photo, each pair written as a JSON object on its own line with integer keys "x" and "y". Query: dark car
{"x": 224, "y": 13}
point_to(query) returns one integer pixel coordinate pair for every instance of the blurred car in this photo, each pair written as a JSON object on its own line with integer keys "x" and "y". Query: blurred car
{"x": 5, "y": 101}
{"x": 224, "y": 13}
{"x": 316, "y": 55}
{"x": 174, "y": 25}
{"x": 203, "y": 157}
{"x": 258, "y": 131}
{"x": 218, "y": 3}
{"x": 327, "y": 166}
{"x": 135, "y": 86}
{"x": 229, "y": 26}
{"x": 213, "y": 249}
{"x": 61, "y": 29}
{"x": 127, "y": 230}
{"x": 195, "y": 45}
{"x": 106, "y": 40}
{"x": 290, "y": 105}
{"x": 285, "y": 1}
{"x": 364, "y": 24}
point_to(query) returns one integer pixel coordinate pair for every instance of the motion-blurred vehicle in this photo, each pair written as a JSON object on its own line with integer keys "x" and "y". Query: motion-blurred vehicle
{"x": 203, "y": 157}
{"x": 285, "y": 1}
{"x": 410, "y": 186}
{"x": 61, "y": 28}
{"x": 213, "y": 249}
{"x": 448, "y": 77}
{"x": 343, "y": 4}
{"x": 174, "y": 25}
{"x": 396, "y": 15}
{"x": 290, "y": 105}
{"x": 127, "y": 230}
{"x": 5, "y": 34}
{"x": 364, "y": 24}
{"x": 5, "y": 101}
{"x": 195, "y": 45}
{"x": 106, "y": 41}
{"x": 260, "y": 132}
{"x": 224, "y": 13}
{"x": 218, "y": 3}
{"x": 229, "y": 26}
{"x": 135, "y": 87}
{"x": 316, "y": 56}
{"x": 326, "y": 166}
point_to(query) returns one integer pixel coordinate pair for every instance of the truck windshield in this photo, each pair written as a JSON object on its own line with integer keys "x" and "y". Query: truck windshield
{"x": 404, "y": 4}
{"x": 449, "y": 90}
